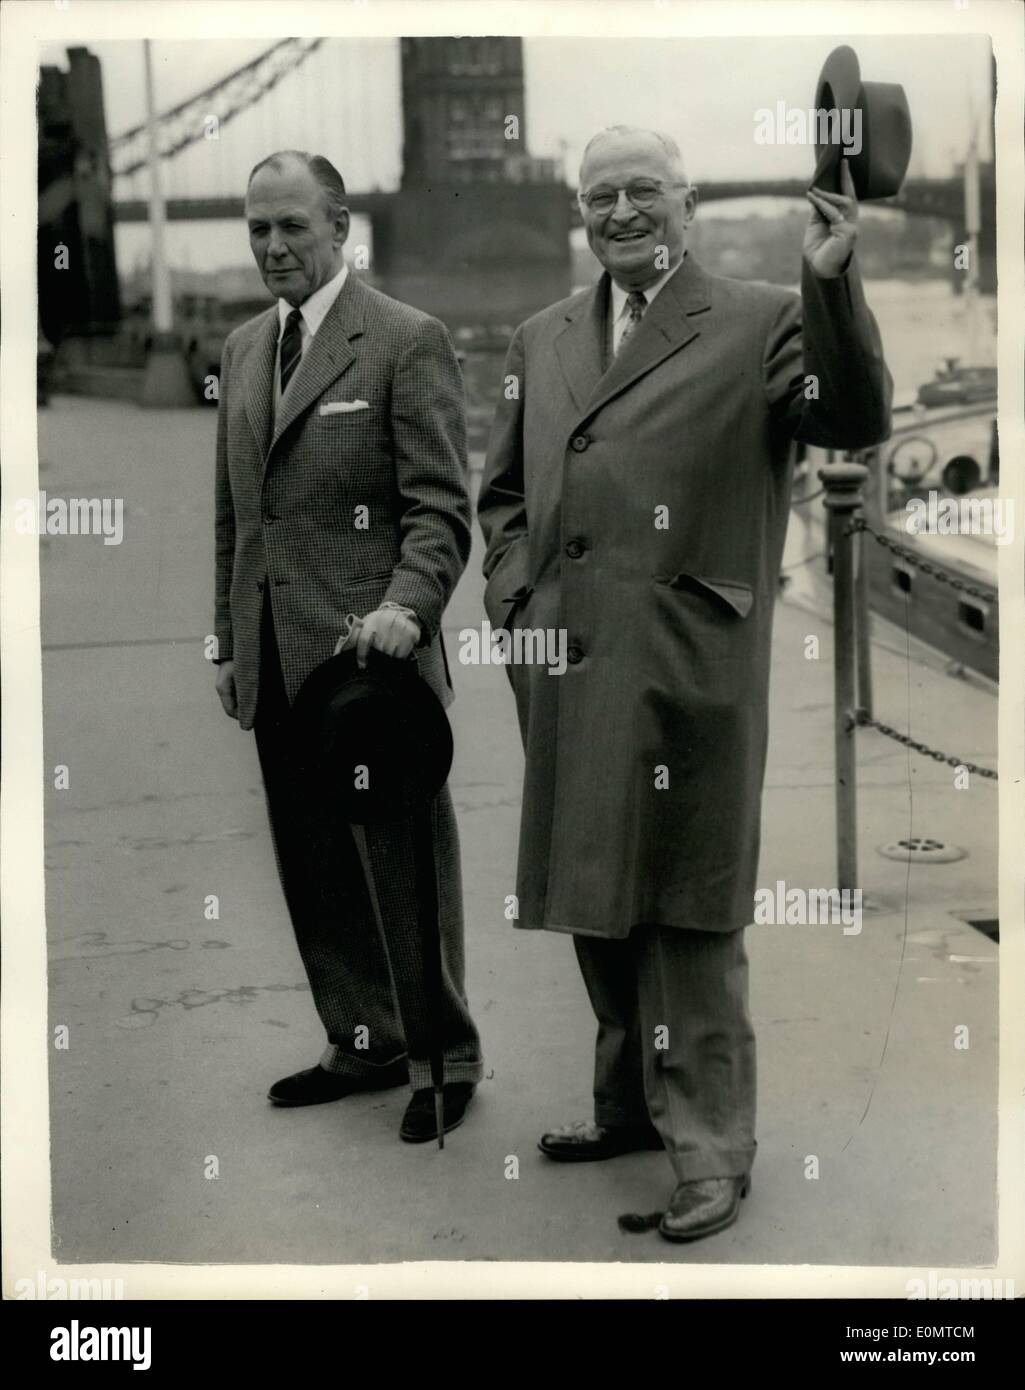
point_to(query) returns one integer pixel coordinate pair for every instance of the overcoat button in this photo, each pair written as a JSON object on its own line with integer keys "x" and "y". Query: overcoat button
{"x": 259, "y": 586}
{"x": 574, "y": 655}
{"x": 268, "y": 518}
{"x": 579, "y": 443}
{"x": 574, "y": 550}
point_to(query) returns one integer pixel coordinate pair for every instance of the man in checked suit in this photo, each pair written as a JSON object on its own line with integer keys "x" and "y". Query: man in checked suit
{"x": 340, "y": 491}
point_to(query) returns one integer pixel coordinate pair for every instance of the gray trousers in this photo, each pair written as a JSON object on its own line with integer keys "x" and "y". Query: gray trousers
{"x": 675, "y": 1043}
{"x": 358, "y": 932}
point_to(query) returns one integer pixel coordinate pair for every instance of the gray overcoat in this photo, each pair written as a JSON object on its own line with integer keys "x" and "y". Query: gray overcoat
{"x": 643, "y": 511}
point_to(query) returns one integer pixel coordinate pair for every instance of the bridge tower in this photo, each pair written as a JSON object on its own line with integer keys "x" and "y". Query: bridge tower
{"x": 456, "y": 97}
{"x": 479, "y": 230}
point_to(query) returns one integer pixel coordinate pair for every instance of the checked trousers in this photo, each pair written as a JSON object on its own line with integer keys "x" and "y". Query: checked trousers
{"x": 358, "y": 933}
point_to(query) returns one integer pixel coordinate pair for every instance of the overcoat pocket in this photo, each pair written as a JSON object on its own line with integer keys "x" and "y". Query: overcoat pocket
{"x": 736, "y": 595}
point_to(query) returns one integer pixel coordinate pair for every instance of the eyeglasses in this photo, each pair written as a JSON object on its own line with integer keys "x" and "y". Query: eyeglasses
{"x": 642, "y": 194}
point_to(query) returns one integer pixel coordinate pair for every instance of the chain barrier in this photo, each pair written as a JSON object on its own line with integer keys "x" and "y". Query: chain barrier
{"x": 800, "y": 501}
{"x": 863, "y": 720}
{"x": 926, "y": 566}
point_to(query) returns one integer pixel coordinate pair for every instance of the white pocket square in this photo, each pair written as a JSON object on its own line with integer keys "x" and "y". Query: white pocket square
{"x": 341, "y": 407}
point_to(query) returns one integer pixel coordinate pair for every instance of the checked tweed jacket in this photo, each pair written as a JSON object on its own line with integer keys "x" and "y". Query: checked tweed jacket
{"x": 338, "y": 511}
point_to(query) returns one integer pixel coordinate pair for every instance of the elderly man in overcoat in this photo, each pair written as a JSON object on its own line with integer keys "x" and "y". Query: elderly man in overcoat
{"x": 342, "y": 512}
{"x": 635, "y": 498}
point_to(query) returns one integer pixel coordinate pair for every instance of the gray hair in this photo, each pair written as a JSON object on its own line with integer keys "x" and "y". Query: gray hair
{"x": 323, "y": 171}
{"x": 669, "y": 145}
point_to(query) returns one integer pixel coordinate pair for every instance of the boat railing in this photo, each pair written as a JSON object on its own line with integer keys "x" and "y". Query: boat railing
{"x": 843, "y": 483}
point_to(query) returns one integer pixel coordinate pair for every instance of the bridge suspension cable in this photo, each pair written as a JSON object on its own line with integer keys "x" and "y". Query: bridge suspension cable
{"x": 187, "y": 123}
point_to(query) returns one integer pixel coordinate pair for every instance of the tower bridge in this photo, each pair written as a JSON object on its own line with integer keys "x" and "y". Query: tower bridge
{"x": 473, "y": 233}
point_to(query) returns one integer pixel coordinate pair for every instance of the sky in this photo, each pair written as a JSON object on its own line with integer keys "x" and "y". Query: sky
{"x": 345, "y": 102}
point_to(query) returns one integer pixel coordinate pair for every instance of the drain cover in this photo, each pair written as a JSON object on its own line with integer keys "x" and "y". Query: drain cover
{"x": 920, "y": 849}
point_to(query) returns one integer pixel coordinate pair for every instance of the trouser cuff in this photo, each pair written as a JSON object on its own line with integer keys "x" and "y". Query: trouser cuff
{"x": 420, "y": 1073}
{"x": 341, "y": 1063}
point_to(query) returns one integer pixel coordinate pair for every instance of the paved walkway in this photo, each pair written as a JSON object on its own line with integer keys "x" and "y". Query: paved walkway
{"x": 178, "y": 1023}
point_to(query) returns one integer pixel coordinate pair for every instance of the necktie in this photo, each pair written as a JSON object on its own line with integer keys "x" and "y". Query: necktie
{"x": 636, "y": 303}
{"x": 291, "y": 347}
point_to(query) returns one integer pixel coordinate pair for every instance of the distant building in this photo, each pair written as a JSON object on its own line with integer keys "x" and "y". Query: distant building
{"x": 479, "y": 230}
{"x": 78, "y": 289}
{"x": 464, "y": 116}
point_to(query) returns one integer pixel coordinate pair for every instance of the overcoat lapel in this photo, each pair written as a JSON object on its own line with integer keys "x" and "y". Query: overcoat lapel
{"x": 668, "y": 325}
{"x": 580, "y": 346}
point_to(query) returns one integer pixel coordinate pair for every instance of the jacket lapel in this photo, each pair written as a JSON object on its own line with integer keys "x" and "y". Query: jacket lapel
{"x": 668, "y": 325}
{"x": 259, "y": 387}
{"x": 580, "y": 346}
{"x": 327, "y": 356}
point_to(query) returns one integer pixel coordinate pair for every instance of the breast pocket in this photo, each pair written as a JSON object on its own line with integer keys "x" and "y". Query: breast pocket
{"x": 344, "y": 419}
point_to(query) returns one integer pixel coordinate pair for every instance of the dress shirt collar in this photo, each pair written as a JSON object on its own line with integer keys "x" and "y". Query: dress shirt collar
{"x": 619, "y": 295}
{"x": 315, "y": 308}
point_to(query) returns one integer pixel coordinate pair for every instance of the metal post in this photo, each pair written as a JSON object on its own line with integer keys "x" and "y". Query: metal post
{"x": 843, "y": 483}
{"x": 862, "y": 627}
{"x": 166, "y": 378}
{"x": 160, "y": 276}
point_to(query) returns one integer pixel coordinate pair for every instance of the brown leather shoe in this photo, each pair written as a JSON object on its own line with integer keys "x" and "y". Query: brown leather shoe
{"x": 315, "y": 1086}
{"x": 583, "y": 1141}
{"x": 703, "y": 1207}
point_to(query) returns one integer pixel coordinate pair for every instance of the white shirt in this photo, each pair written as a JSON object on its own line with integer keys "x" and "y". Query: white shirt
{"x": 312, "y": 312}
{"x": 619, "y": 313}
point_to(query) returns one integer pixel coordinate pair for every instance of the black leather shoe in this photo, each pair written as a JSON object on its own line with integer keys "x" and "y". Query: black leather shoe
{"x": 419, "y": 1124}
{"x": 701, "y": 1208}
{"x": 587, "y": 1142}
{"x": 315, "y": 1086}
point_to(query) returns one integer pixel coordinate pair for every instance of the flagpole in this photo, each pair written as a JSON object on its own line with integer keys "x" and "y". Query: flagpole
{"x": 973, "y": 225}
{"x": 166, "y": 381}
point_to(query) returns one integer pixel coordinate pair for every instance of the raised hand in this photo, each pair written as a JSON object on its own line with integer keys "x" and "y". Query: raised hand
{"x": 833, "y": 228}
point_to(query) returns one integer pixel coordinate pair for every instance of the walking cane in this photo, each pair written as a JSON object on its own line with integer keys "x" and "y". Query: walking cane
{"x": 430, "y": 939}
{"x": 388, "y": 721}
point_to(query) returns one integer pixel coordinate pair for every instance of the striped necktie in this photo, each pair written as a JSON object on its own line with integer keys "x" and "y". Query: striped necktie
{"x": 291, "y": 347}
{"x": 636, "y": 303}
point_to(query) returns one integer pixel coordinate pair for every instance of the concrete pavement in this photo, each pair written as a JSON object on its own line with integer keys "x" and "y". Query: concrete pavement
{"x": 179, "y": 1021}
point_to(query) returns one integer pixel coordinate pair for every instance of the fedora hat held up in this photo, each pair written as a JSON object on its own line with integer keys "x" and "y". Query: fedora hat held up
{"x": 878, "y": 168}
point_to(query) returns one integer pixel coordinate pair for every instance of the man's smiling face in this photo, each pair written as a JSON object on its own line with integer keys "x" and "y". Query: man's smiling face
{"x": 627, "y": 239}
{"x": 295, "y": 241}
